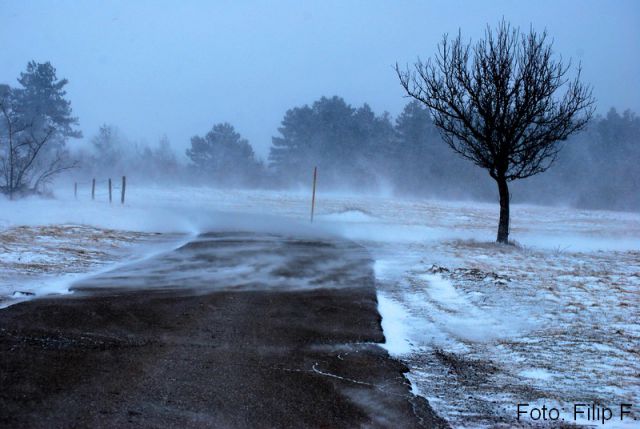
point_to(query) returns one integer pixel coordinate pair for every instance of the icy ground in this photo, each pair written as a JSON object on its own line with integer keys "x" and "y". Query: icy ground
{"x": 553, "y": 320}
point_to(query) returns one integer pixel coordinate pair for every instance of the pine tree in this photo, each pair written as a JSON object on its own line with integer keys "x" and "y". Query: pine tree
{"x": 36, "y": 122}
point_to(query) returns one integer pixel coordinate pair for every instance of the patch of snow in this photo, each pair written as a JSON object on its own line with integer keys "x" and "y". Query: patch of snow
{"x": 537, "y": 373}
{"x": 350, "y": 216}
{"x": 394, "y": 319}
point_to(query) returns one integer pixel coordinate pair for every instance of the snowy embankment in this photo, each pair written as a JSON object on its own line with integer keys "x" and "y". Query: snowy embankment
{"x": 554, "y": 320}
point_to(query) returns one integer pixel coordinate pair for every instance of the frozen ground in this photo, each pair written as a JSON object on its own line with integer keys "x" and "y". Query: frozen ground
{"x": 554, "y": 320}
{"x": 492, "y": 326}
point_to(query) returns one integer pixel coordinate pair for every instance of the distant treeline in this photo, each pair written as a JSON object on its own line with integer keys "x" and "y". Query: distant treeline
{"x": 356, "y": 149}
{"x": 353, "y": 147}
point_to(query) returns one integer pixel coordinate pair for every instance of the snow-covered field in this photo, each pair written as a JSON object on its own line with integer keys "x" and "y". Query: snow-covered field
{"x": 553, "y": 320}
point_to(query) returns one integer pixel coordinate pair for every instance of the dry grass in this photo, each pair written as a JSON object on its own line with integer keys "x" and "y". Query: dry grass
{"x": 31, "y": 252}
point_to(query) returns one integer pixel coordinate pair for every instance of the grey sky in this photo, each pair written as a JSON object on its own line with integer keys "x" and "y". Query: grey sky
{"x": 177, "y": 67}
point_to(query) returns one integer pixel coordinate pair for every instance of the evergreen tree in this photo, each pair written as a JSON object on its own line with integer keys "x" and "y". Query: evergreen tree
{"x": 347, "y": 144}
{"x": 107, "y": 145}
{"x": 41, "y": 101}
{"x": 415, "y": 151}
{"x": 223, "y": 155}
{"x": 165, "y": 157}
{"x": 36, "y": 122}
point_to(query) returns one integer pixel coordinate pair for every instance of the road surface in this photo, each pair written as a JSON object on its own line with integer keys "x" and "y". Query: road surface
{"x": 232, "y": 330}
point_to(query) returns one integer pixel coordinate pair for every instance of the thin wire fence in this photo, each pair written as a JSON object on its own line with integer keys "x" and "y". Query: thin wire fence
{"x": 110, "y": 190}
{"x": 101, "y": 189}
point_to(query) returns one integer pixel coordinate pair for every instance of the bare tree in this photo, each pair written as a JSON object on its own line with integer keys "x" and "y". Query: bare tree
{"x": 504, "y": 103}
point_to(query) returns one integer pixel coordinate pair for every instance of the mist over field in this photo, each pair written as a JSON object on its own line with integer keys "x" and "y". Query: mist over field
{"x": 356, "y": 150}
{"x": 190, "y": 97}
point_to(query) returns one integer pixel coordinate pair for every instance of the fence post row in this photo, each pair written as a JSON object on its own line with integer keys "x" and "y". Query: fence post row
{"x": 110, "y": 182}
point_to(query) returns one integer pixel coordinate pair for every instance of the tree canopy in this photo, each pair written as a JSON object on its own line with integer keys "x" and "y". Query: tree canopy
{"x": 36, "y": 122}
{"x": 223, "y": 155}
{"x": 343, "y": 141}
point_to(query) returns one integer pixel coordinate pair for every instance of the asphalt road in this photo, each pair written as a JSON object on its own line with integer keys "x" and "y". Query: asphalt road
{"x": 231, "y": 330}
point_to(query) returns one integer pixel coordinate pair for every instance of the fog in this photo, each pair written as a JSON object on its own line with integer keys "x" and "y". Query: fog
{"x": 158, "y": 163}
{"x": 149, "y": 82}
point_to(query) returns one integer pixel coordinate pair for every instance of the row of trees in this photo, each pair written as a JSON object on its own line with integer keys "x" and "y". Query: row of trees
{"x": 36, "y": 121}
{"x": 594, "y": 170}
{"x": 222, "y": 157}
{"x": 506, "y": 103}
{"x": 347, "y": 144}
{"x": 112, "y": 154}
{"x": 353, "y": 146}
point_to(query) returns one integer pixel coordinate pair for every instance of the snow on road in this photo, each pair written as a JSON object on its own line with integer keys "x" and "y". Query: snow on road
{"x": 552, "y": 320}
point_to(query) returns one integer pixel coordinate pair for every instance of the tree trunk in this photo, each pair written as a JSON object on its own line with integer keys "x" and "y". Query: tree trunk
{"x": 11, "y": 164}
{"x": 503, "y": 225}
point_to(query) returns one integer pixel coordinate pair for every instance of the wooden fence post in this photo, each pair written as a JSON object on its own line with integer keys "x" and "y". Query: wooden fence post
{"x": 93, "y": 189}
{"x": 109, "y": 190}
{"x": 313, "y": 194}
{"x": 124, "y": 187}
{"x": 75, "y": 190}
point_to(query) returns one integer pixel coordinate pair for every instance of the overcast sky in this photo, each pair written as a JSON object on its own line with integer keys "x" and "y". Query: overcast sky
{"x": 178, "y": 67}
